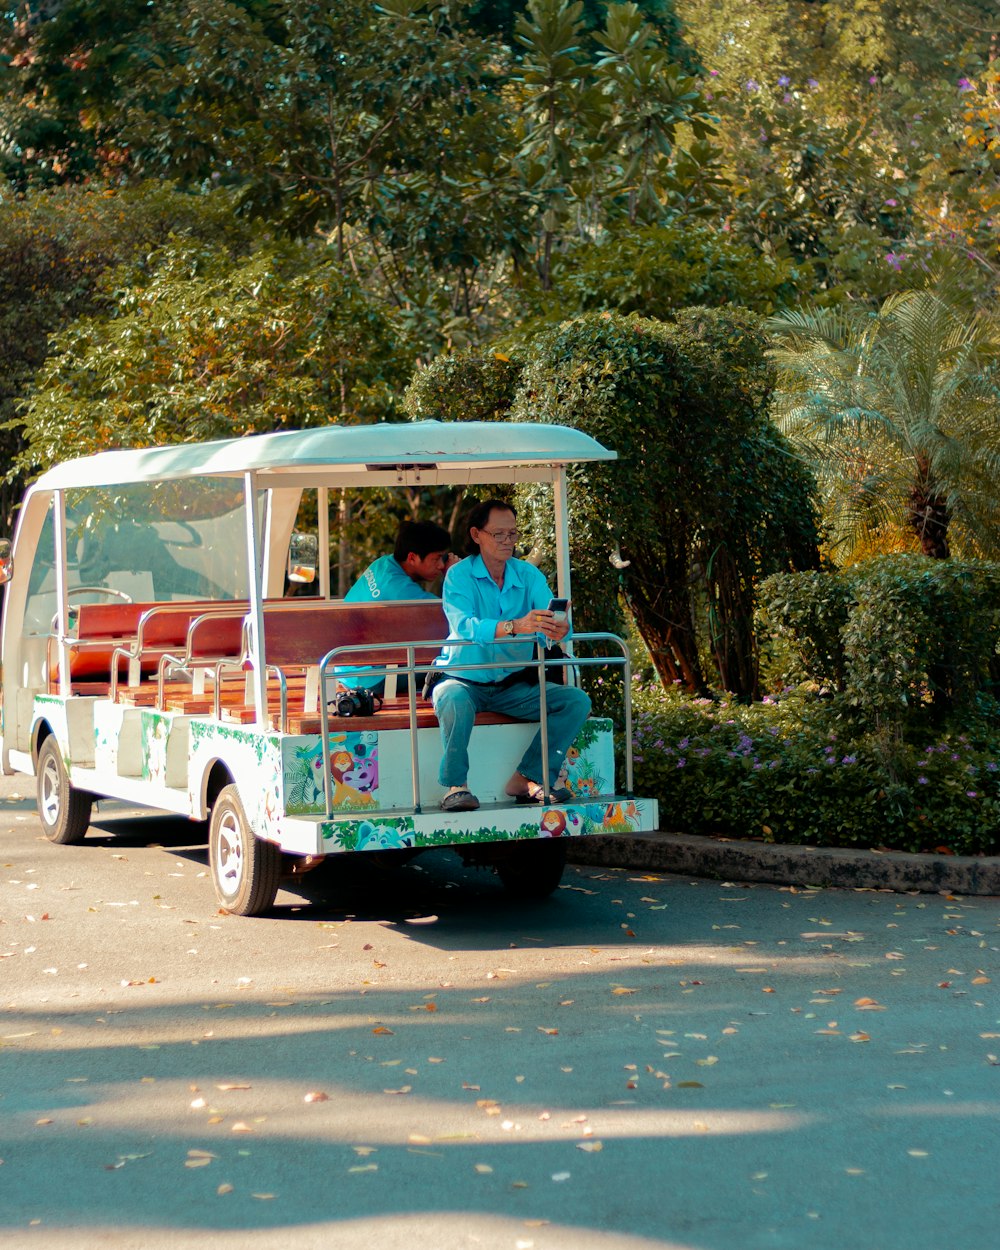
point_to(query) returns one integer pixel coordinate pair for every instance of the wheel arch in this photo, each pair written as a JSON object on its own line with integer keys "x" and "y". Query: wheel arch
{"x": 217, "y": 776}
{"x": 39, "y": 732}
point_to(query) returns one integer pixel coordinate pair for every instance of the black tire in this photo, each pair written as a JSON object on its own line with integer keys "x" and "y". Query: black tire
{"x": 63, "y": 810}
{"x": 531, "y": 870}
{"x": 245, "y": 869}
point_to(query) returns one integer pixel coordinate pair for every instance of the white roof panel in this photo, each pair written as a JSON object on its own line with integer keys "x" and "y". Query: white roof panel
{"x": 457, "y": 445}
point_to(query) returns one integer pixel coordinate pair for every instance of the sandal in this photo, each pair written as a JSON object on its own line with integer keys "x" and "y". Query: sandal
{"x": 459, "y": 801}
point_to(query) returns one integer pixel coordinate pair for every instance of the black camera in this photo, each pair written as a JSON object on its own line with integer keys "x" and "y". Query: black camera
{"x": 359, "y": 702}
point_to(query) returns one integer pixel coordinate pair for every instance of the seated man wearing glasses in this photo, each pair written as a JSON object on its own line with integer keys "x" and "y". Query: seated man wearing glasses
{"x": 493, "y": 596}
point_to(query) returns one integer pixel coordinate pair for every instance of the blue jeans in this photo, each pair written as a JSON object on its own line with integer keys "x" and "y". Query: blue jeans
{"x": 457, "y": 702}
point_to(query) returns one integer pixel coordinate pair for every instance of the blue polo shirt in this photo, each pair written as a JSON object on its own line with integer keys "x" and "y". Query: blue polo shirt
{"x": 474, "y": 604}
{"x": 383, "y": 581}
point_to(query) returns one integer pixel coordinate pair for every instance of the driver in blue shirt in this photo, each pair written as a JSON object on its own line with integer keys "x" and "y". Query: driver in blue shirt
{"x": 490, "y": 598}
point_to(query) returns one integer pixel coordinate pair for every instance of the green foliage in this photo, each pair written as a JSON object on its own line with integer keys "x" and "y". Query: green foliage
{"x": 810, "y": 609}
{"x": 467, "y": 387}
{"x": 922, "y": 635}
{"x": 905, "y": 639}
{"x": 207, "y": 346}
{"x": 656, "y": 270}
{"x": 900, "y": 418}
{"x": 703, "y": 499}
{"x": 789, "y": 770}
{"x": 56, "y": 249}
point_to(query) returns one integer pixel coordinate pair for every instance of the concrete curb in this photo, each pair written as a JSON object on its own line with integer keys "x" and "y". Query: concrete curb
{"x": 732, "y": 860}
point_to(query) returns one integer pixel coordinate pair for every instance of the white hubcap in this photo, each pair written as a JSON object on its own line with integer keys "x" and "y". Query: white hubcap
{"x": 229, "y": 857}
{"x": 50, "y": 792}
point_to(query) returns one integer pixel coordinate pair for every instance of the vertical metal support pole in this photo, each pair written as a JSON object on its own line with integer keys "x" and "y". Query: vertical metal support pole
{"x": 255, "y": 560}
{"x": 324, "y": 730}
{"x": 411, "y": 683}
{"x": 627, "y": 676}
{"x": 560, "y": 503}
{"x": 62, "y": 598}
{"x": 323, "y": 526}
{"x": 543, "y": 720}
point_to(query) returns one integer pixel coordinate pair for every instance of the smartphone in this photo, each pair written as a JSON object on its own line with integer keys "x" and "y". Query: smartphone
{"x": 558, "y": 608}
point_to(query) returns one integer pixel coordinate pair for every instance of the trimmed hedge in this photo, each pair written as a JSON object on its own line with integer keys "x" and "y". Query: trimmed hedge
{"x": 901, "y": 637}
{"x": 789, "y": 770}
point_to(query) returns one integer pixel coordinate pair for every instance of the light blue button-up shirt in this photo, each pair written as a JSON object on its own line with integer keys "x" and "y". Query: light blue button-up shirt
{"x": 475, "y": 604}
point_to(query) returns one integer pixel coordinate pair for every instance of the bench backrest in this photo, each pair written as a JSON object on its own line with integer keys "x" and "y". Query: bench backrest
{"x": 101, "y": 627}
{"x": 296, "y": 638}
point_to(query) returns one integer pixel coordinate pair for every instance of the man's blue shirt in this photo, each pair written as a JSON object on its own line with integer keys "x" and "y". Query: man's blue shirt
{"x": 383, "y": 581}
{"x": 475, "y": 604}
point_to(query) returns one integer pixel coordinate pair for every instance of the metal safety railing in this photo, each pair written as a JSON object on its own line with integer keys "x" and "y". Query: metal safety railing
{"x": 412, "y": 668}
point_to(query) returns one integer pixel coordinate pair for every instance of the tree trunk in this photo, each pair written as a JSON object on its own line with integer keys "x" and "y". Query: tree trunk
{"x": 928, "y": 514}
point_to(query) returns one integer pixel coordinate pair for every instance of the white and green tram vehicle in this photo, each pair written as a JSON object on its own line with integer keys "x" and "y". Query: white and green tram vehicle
{"x": 156, "y": 651}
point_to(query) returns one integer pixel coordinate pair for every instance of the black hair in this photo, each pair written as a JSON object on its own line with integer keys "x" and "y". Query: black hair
{"x": 420, "y": 537}
{"x": 480, "y": 515}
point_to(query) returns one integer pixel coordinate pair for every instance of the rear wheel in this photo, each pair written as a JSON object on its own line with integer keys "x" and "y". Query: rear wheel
{"x": 245, "y": 869}
{"x": 63, "y": 810}
{"x": 531, "y": 870}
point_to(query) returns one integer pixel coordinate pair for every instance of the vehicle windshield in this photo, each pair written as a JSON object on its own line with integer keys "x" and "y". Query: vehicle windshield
{"x": 151, "y": 542}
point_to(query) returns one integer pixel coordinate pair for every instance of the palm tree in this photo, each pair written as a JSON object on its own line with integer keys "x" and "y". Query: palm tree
{"x": 898, "y": 412}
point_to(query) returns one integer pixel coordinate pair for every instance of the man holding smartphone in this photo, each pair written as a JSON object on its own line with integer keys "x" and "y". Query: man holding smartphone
{"x": 501, "y": 605}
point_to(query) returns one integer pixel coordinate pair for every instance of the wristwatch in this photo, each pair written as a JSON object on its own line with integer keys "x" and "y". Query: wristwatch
{"x": 508, "y": 628}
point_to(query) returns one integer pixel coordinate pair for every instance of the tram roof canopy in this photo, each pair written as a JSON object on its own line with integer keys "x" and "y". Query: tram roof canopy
{"x": 429, "y": 451}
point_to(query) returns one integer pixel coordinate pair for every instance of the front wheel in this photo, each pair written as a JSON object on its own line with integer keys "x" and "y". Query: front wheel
{"x": 531, "y": 870}
{"x": 64, "y": 811}
{"x": 245, "y": 869}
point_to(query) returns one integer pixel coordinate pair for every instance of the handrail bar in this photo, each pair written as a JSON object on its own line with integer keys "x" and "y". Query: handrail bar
{"x": 539, "y": 663}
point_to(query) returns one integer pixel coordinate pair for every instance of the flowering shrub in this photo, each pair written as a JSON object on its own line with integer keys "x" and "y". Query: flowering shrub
{"x": 793, "y": 769}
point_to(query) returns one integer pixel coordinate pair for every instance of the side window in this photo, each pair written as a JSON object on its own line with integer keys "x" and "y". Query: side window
{"x": 40, "y": 604}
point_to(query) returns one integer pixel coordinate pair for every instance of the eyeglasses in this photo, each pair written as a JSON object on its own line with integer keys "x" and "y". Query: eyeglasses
{"x": 502, "y": 536}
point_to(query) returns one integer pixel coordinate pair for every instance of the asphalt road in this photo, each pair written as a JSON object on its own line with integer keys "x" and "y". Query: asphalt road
{"x": 403, "y": 1057}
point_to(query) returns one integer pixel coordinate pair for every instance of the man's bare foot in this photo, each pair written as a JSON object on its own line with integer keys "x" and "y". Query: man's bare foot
{"x": 521, "y": 787}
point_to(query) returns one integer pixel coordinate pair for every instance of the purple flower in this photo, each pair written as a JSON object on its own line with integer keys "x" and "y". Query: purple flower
{"x": 682, "y": 763}
{"x": 971, "y": 793}
{"x": 784, "y": 81}
{"x": 991, "y": 767}
{"x": 683, "y": 744}
{"x": 787, "y": 98}
{"x": 713, "y": 73}
{"x": 849, "y": 759}
{"x": 751, "y": 84}
{"x": 873, "y": 80}
{"x": 921, "y": 781}
{"x": 895, "y": 260}
{"x": 891, "y": 203}
{"x": 813, "y": 83}
{"x": 965, "y": 85}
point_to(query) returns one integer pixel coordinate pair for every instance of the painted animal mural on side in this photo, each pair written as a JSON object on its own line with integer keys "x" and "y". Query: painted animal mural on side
{"x": 353, "y": 771}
